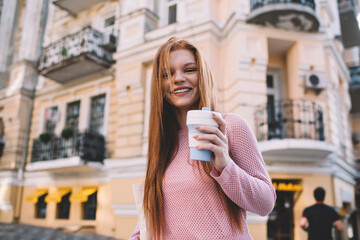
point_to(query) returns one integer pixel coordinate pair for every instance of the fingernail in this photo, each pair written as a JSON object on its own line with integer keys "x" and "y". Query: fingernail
{"x": 196, "y": 136}
{"x": 197, "y": 127}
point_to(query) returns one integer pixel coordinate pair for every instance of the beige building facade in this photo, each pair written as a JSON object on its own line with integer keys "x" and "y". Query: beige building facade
{"x": 74, "y": 106}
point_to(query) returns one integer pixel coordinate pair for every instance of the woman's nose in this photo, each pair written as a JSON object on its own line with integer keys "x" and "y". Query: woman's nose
{"x": 179, "y": 77}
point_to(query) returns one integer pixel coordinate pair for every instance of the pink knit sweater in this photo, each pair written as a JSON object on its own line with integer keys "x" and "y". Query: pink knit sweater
{"x": 193, "y": 208}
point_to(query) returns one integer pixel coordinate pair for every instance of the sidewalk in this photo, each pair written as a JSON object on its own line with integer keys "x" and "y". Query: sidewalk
{"x": 27, "y": 232}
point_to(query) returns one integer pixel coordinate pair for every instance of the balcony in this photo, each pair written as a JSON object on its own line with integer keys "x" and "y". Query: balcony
{"x": 294, "y": 15}
{"x": 82, "y": 151}
{"x": 74, "y": 7}
{"x": 291, "y": 128}
{"x": 74, "y": 56}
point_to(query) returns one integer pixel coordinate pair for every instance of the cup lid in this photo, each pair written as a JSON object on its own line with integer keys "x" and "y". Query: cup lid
{"x": 198, "y": 116}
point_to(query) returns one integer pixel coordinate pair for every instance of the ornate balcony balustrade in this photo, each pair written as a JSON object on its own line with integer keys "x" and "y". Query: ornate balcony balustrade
{"x": 296, "y": 15}
{"x": 294, "y": 119}
{"x": 260, "y": 3}
{"x": 75, "y": 55}
{"x": 88, "y": 146}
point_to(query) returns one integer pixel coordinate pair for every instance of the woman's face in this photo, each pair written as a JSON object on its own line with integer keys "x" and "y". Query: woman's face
{"x": 181, "y": 89}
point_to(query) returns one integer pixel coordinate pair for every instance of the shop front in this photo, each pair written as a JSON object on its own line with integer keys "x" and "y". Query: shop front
{"x": 280, "y": 225}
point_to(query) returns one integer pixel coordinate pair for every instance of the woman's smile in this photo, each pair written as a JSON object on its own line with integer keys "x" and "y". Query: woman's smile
{"x": 181, "y": 91}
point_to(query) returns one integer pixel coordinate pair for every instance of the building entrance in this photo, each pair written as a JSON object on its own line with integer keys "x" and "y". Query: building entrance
{"x": 280, "y": 225}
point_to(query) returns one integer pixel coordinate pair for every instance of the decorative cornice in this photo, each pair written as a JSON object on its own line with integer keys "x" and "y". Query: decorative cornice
{"x": 142, "y": 11}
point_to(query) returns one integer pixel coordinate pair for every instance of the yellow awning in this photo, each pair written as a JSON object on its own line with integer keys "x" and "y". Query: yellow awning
{"x": 82, "y": 195}
{"x": 56, "y": 196}
{"x": 35, "y": 195}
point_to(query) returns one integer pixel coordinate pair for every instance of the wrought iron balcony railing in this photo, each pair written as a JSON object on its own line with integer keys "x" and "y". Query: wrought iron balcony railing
{"x": 67, "y": 51}
{"x": 88, "y": 146}
{"x": 260, "y": 3}
{"x": 297, "y": 15}
{"x": 346, "y": 5}
{"x": 295, "y": 119}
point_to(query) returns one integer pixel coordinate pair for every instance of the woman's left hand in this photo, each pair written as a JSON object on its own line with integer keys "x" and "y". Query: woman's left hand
{"x": 218, "y": 142}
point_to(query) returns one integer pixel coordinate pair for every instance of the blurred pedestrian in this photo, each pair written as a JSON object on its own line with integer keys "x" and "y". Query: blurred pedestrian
{"x": 319, "y": 218}
{"x": 187, "y": 199}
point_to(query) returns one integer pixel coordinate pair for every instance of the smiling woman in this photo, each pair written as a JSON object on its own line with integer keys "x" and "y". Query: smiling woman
{"x": 181, "y": 88}
{"x": 190, "y": 199}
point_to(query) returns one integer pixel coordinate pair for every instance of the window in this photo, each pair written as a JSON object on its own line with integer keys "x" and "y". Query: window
{"x": 51, "y": 117}
{"x": 109, "y": 21}
{"x": 89, "y": 207}
{"x": 172, "y": 8}
{"x": 109, "y": 25}
{"x": 97, "y": 114}
{"x": 40, "y": 207}
{"x": 63, "y": 207}
{"x": 72, "y": 115}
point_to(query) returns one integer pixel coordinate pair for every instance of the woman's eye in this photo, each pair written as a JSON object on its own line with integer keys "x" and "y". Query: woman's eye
{"x": 166, "y": 76}
{"x": 191, "y": 70}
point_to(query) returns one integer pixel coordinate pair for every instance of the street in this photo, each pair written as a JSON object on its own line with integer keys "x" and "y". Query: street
{"x": 27, "y": 232}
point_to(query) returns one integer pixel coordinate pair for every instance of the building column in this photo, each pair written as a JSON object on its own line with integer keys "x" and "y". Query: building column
{"x": 18, "y": 101}
{"x": 23, "y": 73}
{"x": 7, "y": 28}
{"x": 32, "y": 29}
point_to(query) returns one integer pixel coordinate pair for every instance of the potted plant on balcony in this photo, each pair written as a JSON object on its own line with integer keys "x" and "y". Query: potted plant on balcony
{"x": 63, "y": 52}
{"x": 67, "y": 132}
{"x": 45, "y": 137}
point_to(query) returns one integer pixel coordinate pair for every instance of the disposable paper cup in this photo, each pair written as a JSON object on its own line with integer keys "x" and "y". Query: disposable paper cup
{"x": 199, "y": 118}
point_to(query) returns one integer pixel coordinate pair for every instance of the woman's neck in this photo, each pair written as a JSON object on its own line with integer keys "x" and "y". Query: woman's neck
{"x": 181, "y": 117}
{"x": 181, "y": 114}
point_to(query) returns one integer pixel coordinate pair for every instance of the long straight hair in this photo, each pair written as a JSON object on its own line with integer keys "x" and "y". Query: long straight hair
{"x": 163, "y": 137}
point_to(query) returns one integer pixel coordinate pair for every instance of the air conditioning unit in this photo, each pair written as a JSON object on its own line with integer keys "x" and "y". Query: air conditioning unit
{"x": 110, "y": 41}
{"x": 315, "y": 80}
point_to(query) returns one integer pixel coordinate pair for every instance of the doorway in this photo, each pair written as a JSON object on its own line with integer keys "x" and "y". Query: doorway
{"x": 280, "y": 225}
{"x": 273, "y": 105}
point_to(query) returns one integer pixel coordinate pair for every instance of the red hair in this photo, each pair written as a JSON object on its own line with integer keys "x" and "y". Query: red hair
{"x": 163, "y": 137}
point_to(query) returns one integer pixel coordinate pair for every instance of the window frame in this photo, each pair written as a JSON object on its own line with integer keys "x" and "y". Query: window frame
{"x": 86, "y": 206}
{"x": 168, "y": 5}
{"x": 46, "y": 120}
{"x": 73, "y": 103}
{"x": 41, "y": 205}
{"x": 65, "y": 203}
{"x": 102, "y": 128}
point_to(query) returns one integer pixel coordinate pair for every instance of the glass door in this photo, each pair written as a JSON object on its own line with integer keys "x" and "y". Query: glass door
{"x": 280, "y": 225}
{"x": 274, "y": 95}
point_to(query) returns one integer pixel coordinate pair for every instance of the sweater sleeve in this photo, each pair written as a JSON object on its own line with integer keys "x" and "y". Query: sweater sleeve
{"x": 245, "y": 179}
{"x": 136, "y": 234}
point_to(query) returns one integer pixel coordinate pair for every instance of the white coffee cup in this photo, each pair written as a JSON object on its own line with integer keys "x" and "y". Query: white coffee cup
{"x": 199, "y": 118}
